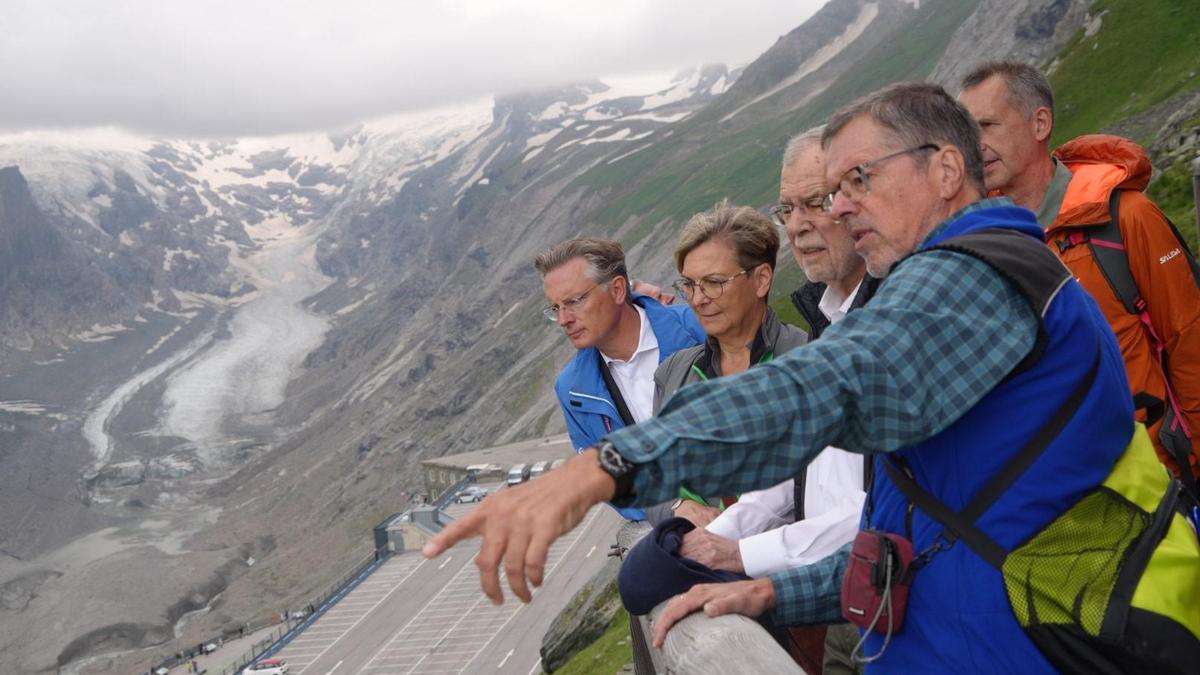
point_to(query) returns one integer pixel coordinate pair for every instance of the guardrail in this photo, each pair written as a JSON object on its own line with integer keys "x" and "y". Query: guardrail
{"x": 444, "y": 499}
{"x": 288, "y": 625}
{"x": 259, "y": 648}
{"x": 703, "y": 645}
{"x": 335, "y": 592}
{"x": 186, "y": 655}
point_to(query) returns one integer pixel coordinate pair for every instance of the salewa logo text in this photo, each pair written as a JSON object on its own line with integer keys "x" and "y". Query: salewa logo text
{"x": 1163, "y": 260}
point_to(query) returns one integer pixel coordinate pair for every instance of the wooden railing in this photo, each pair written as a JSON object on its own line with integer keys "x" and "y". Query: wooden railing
{"x": 702, "y": 645}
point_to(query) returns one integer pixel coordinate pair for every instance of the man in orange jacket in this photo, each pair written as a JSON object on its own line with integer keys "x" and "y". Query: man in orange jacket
{"x": 1072, "y": 191}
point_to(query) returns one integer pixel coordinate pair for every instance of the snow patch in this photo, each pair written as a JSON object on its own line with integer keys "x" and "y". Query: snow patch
{"x": 32, "y": 408}
{"x": 626, "y": 154}
{"x": 679, "y": 92}
{"x": 163, "y": 340}
{"x": 99, "y": 333}
{"x": 719, "y": 86}
{"x": 479, "y": 171}
{"x": 598, "y": 115}
{"x": 541, "y": 139}
{"x": 631, "y": 85}
{"x": 657, "y": 117}
{"x": 353, "y": 306}
{"x": 170, "y": 254}
{"x": 553, "y": 111}
{"x": 619, "y": 135}
{"x": 505, "y": 315}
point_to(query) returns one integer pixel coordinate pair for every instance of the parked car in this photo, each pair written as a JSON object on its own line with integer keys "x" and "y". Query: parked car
{"x": 539, "y": 469}
{"x": 518, "y": 474}
{"x": 557, "y": 463}
{"x": 268, "y": 667}
{"x": 471, "y": 493}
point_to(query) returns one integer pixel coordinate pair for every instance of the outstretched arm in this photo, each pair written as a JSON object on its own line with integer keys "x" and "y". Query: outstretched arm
{"x": 941, "y": 333}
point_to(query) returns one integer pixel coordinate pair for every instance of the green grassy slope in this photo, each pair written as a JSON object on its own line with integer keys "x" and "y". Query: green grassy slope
{"x": 1172, "y": 191}
{"x": 744, "y": 166}
{"x": 787, "y": 277}
{"x": 607, "y": 655}
{"x": 1144, "y": 52}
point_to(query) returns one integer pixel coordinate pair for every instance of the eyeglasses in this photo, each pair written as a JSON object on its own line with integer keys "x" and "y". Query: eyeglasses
{"x": 781, "y": 212}
{"x": 711, "y": 286}
{"x": 570, "y": 305}
{"x": 856, "y": 182}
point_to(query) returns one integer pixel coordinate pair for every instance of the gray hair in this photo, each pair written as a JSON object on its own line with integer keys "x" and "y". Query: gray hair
{"x": 916, "y": 113}
{"x": 1028, "y": 88}
{"x": 752, "y": 234}
{"x": 605, "y": 258}
{"x": 801, "y": 141}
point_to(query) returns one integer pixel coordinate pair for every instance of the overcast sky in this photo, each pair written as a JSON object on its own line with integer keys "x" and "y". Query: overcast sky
{"x": 219, "y": 67}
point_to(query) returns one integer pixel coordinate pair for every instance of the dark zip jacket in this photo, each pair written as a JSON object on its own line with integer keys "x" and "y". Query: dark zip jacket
{"x": 807, "y": 297}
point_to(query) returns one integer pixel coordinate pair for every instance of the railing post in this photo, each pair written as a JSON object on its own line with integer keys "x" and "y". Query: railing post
{"x": 702, "y": 645}
{"x": 1196, "y": 192}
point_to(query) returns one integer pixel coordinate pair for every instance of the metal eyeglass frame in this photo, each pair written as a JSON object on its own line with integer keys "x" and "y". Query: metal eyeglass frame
{"x": 858, "y": 186}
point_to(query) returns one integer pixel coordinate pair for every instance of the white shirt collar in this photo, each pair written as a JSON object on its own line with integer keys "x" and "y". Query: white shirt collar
{"x": 834, "y": 306}
{"x": 646, "y": 339}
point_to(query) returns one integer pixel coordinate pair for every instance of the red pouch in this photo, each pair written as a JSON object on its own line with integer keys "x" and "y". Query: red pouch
{"x": 879, "y": 571}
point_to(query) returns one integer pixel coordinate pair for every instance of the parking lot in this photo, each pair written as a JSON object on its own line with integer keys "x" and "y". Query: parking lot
{"x": 419, "y": 616}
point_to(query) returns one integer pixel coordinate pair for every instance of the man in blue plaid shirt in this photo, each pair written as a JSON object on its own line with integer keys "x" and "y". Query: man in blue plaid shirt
{"x": 944, "y": 338}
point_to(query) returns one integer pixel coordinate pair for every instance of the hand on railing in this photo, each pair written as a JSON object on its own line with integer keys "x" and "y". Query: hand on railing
{"x": 750, "y": 598}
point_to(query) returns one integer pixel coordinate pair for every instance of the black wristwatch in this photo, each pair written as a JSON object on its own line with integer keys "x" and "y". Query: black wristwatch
{"x": 621, "y": 469}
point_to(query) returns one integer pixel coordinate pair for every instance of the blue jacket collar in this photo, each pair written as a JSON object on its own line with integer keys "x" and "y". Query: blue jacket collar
{"x": 986, "y": 213}
{"x": 671, "y": 332}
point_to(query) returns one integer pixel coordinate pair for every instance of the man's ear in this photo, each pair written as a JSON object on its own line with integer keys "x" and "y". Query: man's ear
{"x": 620, "y": 290}
{"x": 949, "y": 171}
{"x": 1043, "y": 124}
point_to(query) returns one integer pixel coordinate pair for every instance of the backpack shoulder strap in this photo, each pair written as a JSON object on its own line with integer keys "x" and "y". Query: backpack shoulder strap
{"x": 961, "y": 524}
{"x": 1026, "y": 263}
{"x": 1108, "y": 249}
{"x": 799, "y": 483}
{"x": 615, "y": 392}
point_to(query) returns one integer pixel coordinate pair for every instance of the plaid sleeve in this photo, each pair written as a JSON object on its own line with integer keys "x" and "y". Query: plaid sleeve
{"x": 810, "y": 594}
{"x": 942, "y": 331}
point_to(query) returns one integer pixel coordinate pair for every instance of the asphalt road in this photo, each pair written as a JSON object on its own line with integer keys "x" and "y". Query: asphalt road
{"x": 429, "y": 616}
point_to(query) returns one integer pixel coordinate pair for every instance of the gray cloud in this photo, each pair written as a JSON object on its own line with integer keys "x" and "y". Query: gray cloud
{"x": 222, "y": 67}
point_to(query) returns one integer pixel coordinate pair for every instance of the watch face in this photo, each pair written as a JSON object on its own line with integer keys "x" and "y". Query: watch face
{"x": 612, "y": 461}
